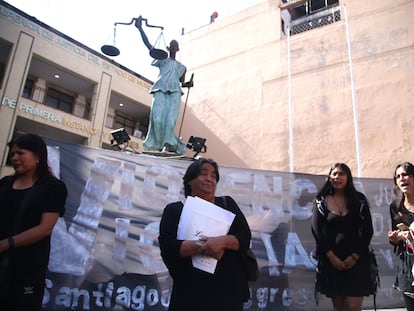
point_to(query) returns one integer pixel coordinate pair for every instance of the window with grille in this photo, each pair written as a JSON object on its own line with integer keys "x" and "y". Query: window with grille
{"x": 302, "y": 15}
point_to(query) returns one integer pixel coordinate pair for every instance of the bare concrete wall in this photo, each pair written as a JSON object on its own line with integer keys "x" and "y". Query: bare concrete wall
{"x": 240, "y": 101}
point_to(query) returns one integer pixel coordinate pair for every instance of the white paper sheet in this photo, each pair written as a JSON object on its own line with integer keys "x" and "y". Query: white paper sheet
{"x": 200, "y": 217}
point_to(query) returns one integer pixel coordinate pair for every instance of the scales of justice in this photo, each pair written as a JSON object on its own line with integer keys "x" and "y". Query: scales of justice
{"x": 165, "y": 103}
{"x": 155, "y": 50}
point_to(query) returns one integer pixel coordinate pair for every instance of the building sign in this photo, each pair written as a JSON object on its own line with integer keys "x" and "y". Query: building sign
{"x": 46, "y": 115}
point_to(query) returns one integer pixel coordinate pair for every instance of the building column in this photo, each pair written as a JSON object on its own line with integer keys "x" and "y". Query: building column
{"x": 100, "y": 109}
{"x": 14, "y": 81}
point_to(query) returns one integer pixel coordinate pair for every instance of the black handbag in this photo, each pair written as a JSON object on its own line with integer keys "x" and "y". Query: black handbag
{"x": 374, "y": 273}
{"x": 251, "y": 266}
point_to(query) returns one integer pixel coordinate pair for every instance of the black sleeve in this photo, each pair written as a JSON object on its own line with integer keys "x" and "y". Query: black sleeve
{"x": 394, "y": 220}
{"x": 55, "y": 197}
{"x": 167, "y": 239}
{"x": 366, "y": 226}
{"x": 394, "y": 216}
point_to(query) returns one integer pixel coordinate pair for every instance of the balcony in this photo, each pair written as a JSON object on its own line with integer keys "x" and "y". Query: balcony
{"x": 303, "y": 15}
{"x": 60, "y": 89}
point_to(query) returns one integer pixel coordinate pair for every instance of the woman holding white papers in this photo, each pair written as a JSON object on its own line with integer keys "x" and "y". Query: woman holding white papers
{"x": 188, "y": 251}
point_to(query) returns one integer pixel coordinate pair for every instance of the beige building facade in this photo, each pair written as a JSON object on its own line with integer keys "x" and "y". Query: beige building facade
{"x": 283, "y": 85}
{"x": 52, "y": 85}
{"x": 267, "y": 98}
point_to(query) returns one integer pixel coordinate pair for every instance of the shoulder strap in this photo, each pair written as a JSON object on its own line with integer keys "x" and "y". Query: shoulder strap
{"x": 229, "y": 207}
{"x": 226, "y": 205}
{"x": 224, "y": 198}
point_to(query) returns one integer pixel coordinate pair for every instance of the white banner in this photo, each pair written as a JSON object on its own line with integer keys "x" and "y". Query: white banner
{"x": 105, "y": 253}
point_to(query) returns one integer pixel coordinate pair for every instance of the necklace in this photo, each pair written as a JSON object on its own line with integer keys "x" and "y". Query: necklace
{"x": 341, "y": 209}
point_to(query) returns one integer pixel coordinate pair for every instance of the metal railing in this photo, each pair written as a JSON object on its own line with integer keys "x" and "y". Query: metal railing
{"x": 320, "y": 19}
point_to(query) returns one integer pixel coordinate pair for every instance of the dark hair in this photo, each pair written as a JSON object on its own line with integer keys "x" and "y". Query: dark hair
{"x": 399, "y": 198}
{"x": 407, "y": 166}
{"x": 37, "y": 145}
{"x": 194, "y": 170}
{"x": 351, "y": 194}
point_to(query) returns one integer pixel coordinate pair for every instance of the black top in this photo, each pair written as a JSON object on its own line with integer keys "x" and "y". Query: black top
{"x": 21, "y": 210}
{"x": 404, "y": 277}
{"x": 193, "y": 289}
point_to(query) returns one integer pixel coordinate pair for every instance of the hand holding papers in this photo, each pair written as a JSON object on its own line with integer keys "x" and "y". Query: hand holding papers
{"x": 202, "y": 218}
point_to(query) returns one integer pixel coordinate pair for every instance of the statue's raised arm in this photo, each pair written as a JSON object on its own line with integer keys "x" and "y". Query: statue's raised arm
{"x": 138, "y": 24}
{"x": 154, "y": 52}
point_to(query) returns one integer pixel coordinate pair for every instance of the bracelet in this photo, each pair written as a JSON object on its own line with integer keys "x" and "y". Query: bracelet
{"x": 354, "y": 257}
{"x": 11, "y": 242}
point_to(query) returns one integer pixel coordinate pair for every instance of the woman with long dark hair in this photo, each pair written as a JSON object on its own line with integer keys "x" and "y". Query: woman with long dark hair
{"x": 401, "y": 234}
{"x": 342, "y": 228}
{"x": 32, "y": 200}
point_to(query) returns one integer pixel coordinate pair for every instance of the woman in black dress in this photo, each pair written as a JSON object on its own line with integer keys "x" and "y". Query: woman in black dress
{"x": 342, "y": 228}
{"x": 227, "y": 288}
{"x": 402, "y": 212}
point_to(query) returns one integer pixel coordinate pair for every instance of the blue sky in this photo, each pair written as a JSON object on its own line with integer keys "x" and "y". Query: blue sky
{"x": 91, "y": 22}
